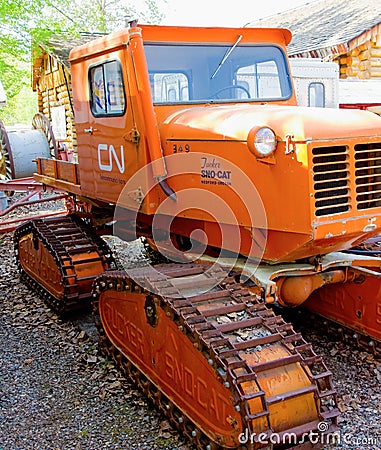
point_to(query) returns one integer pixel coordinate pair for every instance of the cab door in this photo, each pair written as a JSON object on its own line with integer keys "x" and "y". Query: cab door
{"x": 109, "y": 129}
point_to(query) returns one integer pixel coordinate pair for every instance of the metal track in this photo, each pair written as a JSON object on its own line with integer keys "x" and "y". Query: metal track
{"x": 353, "y": 338}
{"x": 64, "y": 238}
{"x": 337, "y": 331}
{"x": 224, "y": 325}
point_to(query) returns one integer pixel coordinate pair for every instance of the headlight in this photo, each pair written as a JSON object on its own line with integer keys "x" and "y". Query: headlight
{"x": 262, "y": 141}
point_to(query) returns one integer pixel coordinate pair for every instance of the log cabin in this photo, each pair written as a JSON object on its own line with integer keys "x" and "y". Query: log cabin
{"x": 347, "y": 32}
{"x": 52, "y": 81}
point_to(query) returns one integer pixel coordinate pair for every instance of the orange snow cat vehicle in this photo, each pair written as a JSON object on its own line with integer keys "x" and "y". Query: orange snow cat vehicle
{"x": 191, "y": 138}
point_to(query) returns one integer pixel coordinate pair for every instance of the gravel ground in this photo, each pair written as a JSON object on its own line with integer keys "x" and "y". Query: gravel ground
{"x": 357, "y": 379}
{"x": 58, "y": 392}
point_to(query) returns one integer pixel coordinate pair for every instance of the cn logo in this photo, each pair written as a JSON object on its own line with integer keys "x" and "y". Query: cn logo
{"x": 106, "y": 156}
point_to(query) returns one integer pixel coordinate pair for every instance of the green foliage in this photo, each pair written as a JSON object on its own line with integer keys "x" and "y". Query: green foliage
{"x": 27, "y": 24}
{"x": 21, "y": 100}
{"x": 107, "y": 15}
{"x": 21, "y": 108}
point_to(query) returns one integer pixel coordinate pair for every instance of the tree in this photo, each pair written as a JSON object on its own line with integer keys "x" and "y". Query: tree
{"x": 26, "y": 24}
{"x": 104, "y": 15}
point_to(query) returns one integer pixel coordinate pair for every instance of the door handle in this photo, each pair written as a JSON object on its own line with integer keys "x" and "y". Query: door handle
{"x": 89, "y": 130}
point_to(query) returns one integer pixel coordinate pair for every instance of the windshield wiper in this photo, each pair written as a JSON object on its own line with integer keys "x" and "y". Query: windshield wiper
{"x": 226, "y": 56}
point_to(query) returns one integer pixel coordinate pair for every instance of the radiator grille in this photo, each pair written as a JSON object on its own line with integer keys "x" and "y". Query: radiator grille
{"x": 331, "y": 180}
{"x": 368, "y": 175}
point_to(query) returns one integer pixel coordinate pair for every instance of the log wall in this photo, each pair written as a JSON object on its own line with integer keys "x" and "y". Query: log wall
{"x": 362, "y": 62}
{"x": 54, "y": 89}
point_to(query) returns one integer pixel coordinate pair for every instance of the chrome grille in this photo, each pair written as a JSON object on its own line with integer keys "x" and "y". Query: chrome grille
{"x": 368, "y": 175}
{"x": 331, "y": 180}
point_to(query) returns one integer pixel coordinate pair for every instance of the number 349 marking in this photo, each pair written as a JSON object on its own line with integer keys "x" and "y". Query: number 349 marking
{"x": 180, "y": 148}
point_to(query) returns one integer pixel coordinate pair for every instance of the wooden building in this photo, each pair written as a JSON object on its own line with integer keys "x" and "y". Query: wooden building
{"x": 348, "y": 32}
{"x": 52, "y": 81}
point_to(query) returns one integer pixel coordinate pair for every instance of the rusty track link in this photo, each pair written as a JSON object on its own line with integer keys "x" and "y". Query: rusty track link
{"x": 225, "y": 325}
{"x": 64, "y": 238}
{"x": 353, "y": 338}
{"x": 339, "y": 332}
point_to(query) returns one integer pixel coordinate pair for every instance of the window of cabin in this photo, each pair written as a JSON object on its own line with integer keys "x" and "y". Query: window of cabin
{"x": 107, "y": 97}
{"x": 54, "y": 64}
{"x": 47, "y": 64}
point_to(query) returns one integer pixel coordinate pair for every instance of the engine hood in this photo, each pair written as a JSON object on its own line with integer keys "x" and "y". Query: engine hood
{"x": 234, "y": 122}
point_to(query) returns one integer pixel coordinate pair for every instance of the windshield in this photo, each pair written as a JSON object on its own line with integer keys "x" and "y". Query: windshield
{"x": 207, "y": 73}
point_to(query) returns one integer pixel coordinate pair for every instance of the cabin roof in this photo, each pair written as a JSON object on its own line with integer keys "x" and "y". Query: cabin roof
{"x": 59, "y": 47}
{"x": 325, "y": 27}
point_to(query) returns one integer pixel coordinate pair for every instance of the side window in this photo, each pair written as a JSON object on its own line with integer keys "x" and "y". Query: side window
{"x": 316, "y": 95}
{"x": 106, "y": 89}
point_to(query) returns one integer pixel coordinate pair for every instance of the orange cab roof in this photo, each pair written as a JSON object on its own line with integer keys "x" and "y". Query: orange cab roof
{"x": 160, "y": 33}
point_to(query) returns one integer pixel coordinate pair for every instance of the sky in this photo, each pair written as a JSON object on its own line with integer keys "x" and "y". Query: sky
{"x": 234, "y": 13}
